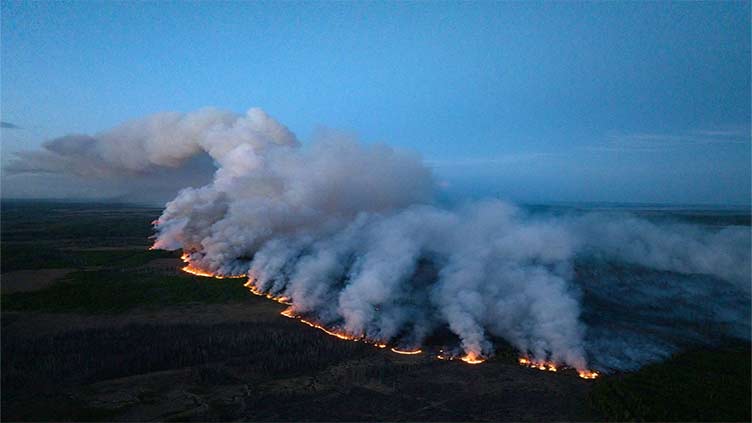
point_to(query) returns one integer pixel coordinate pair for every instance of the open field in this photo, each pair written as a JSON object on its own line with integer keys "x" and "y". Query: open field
{"x": 119, "y": 333}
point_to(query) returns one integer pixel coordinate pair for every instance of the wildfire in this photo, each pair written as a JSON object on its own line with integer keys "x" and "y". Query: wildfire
{"x": 538, "y": 364}
{"x": 288, "y": 312}
{"x": 469, "y": 358}
{"x": 194, "y": 270}
{"x": 552, "y": 367}
{"x": 200, "y": 272}
{"x": 588, "y": 374}
{"x": 406, "y": 352}
{"x": 472, "y": 358}
{"x": 341, "y": 335}
{"x": 256, "y": 291}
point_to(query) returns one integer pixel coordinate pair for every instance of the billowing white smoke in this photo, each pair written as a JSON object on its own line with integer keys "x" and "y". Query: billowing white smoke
{"x": 146, "y": 159}
{"x": 401, "y": 275}
{"x": 682, "y": 248}
{"x": 349, "y": 233}
{"x": 160, "y": 140}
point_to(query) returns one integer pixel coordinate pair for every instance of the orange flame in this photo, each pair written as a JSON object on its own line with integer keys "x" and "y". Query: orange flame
{"x": 194, "y": 270}
{"x": 341, "y": 335}
{"x": 552, "y": 367}
{"x": 588, "y": 374}
{"x": 472, "y": 358}
{"x": 288, "y": 312}
{"x": 256, "y": 291}
{"x": 406, "y": 352}
{"x": 200, "y": 272}
{"x": 538, "y": 364}
{"x": 469, "y": 358}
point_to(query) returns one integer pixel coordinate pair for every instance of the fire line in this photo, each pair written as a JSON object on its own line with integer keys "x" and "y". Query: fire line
{"x": 469, "y": 358}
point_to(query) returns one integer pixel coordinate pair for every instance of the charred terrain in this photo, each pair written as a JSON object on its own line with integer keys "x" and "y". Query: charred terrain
{"x": 97, "y": 327}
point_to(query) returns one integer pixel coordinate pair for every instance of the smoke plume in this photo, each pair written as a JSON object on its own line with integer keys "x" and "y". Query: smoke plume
{"x": 142, "y": 159}
{"x": 350, "y": 235}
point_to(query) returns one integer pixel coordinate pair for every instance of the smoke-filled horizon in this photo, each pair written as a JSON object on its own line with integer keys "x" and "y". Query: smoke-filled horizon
{"x": 352, "y": 235}
{"x": 131, "y": 163}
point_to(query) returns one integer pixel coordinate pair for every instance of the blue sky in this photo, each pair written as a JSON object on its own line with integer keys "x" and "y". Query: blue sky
{"x": 617, "y": 101}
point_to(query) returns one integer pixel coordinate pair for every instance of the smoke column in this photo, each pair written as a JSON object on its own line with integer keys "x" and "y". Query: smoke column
{"x": 349, "y": 234}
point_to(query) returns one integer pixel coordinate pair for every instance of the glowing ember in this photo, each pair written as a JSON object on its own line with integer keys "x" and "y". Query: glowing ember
{"x": 588, "y": 374}
{"x": 406, "y": 352}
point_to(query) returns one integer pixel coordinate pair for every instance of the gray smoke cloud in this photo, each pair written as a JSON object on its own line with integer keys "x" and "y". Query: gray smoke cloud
{"x": 350, "y": 234}
{"x": 142, "y": 159}
{"x": 160, "y": 140}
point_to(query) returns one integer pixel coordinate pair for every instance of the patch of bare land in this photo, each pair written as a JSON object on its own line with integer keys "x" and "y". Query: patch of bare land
{"x": 166, "y": 265}
{"x": 115, "y": 248}
{"x": 30, "y": 280}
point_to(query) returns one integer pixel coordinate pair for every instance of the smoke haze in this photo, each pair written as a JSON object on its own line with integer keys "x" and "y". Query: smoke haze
{"x": 351, "y": 234}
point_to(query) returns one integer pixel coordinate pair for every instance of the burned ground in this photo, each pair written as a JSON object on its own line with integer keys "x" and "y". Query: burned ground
{"x": 123, "y": 335}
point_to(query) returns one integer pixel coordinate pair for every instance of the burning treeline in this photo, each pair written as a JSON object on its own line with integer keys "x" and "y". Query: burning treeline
{"x": 289, "y": 312}
{"x": 349, "y": 235}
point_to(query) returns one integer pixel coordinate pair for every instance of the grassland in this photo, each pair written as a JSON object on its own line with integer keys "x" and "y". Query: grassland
{"x": 125, "y": 336}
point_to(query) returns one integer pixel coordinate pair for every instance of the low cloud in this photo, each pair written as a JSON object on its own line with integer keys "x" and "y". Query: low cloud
{"x": 655, "y": 142}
